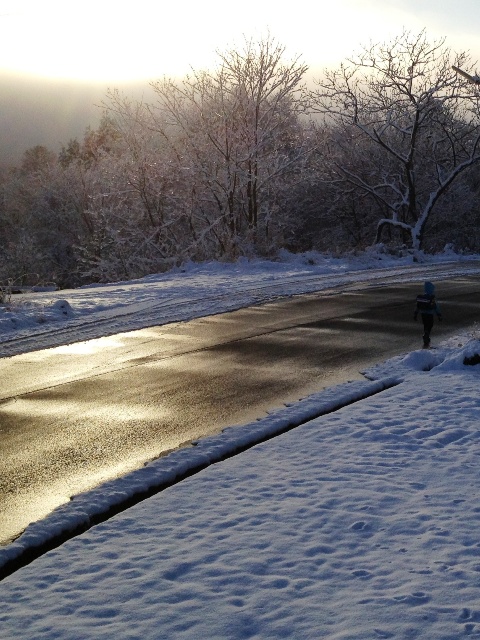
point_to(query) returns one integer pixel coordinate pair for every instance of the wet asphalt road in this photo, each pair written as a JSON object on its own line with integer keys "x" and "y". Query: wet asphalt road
{"x": 74, "y": 416}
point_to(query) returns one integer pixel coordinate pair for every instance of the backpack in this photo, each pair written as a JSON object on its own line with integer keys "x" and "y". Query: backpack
{"x": 425, "y": 302}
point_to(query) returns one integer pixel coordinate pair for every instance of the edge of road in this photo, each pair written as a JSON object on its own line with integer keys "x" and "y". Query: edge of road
{"x": 102, "y": 503}
{"x": 106, "y": 322}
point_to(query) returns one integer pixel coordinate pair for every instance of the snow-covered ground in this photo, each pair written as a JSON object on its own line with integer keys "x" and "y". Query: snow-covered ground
{"x": 47, "y": 319}
{"x": 361, "y": 523}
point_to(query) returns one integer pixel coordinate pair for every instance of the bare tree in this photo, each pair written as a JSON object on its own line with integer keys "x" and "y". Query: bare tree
{"x": 234, "y": 128}
{"x": 408, "y": 127}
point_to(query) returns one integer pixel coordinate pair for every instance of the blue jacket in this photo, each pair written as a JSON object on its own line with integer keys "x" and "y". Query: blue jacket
{"x": 433, "y": 308}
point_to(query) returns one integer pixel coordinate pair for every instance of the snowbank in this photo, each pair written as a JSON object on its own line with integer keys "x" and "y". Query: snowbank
{"x": 358, "y": 524}
{"x": 47, "y": 319}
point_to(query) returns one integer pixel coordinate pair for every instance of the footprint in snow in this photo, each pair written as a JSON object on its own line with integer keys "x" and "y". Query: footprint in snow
{"x": 413, "y": 599}
{"x": 361, "y": 573}
{"x": 359, "y": 526}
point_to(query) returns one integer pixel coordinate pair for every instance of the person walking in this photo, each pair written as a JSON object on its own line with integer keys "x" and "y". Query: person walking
{"x": 427, "y": 307}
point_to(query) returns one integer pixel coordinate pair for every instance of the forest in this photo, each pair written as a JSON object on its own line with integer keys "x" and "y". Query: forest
{"x": 249, "y": 158}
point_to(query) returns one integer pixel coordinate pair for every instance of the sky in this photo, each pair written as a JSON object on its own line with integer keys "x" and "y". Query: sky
{"x": 58, "y": 59}
{"x": 360, "y": 523}
{"x": 108, "y": 41}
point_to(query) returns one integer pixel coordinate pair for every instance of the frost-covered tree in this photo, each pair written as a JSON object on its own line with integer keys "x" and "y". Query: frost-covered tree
{"x": 235, "y": 132}
{"x": 404, "y": 128}
{"x": 139, "y": 216}
{"x": 26, "y": 226}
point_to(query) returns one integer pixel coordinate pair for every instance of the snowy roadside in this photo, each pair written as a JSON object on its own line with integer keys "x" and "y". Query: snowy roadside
{"x": 53, "y": 318}
{"x": 48, "y": 319}
{"x": 93, "y": 506}
{"x": 70, "y": 316}
{"x": 366, "y": 503}
{"x": 358, "y": 524}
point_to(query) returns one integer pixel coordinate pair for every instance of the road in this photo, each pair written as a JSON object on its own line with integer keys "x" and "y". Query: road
{"x": 74, "y": 416}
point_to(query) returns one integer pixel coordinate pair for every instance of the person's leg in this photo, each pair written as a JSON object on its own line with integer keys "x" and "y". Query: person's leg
{"x": 427, "y": 319}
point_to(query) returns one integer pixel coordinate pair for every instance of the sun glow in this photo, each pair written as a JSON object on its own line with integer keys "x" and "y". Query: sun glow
{"x": 112, "y": 41}
{"x": 116, "y": 41}
{"x": 96, "y": 41}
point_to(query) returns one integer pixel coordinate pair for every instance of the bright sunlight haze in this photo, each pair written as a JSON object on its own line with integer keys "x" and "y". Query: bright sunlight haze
{"x": 58, "y": 58}
{"x": 109, "y": 41}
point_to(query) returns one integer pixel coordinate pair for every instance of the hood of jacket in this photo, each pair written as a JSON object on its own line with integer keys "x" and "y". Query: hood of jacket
{"x": 429, "y": 288}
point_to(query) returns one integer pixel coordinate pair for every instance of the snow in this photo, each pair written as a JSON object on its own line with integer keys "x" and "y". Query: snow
{"x": 358, "y": 523}
{"x": 46, "y": 319}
